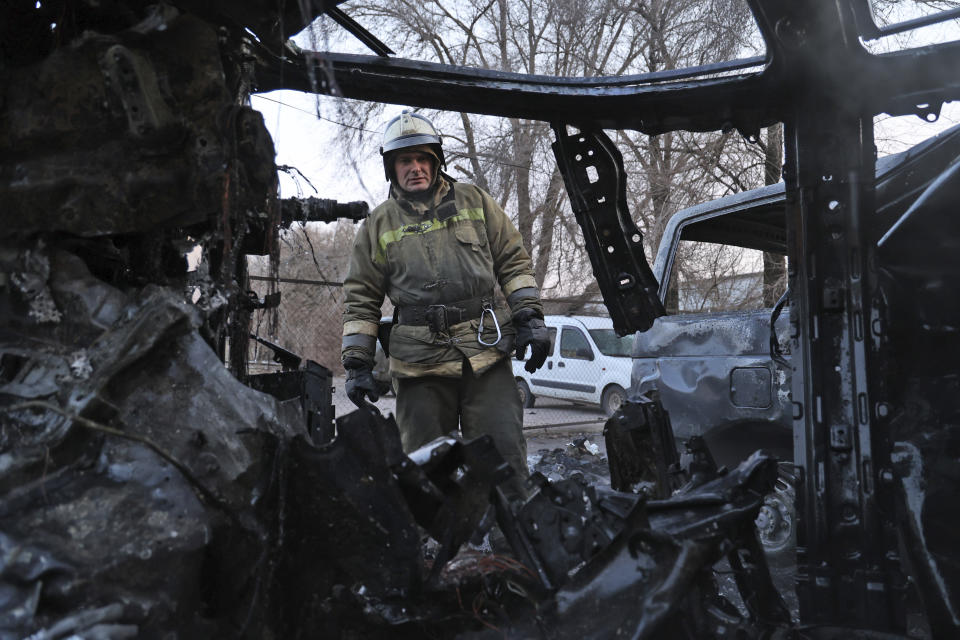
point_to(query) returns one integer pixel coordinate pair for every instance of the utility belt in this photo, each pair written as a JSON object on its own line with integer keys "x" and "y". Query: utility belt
{"x": 440, "y": 317}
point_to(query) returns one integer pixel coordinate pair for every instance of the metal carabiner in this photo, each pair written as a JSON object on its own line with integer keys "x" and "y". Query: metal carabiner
{"x": 487, "y": 308}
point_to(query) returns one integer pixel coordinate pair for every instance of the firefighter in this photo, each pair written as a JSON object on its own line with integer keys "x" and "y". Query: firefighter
{"x": 438, "y": 248}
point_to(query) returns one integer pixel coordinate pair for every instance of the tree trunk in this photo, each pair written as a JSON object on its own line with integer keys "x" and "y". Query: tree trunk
{"x": 479, "y": 175}
{"x": 550, "y": 210}
{"x": 523, "y": 157}
{"x": 774, "y": 265}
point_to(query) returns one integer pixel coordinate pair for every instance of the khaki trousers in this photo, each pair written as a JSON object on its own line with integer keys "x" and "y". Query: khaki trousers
{"x": 429, "y": 407}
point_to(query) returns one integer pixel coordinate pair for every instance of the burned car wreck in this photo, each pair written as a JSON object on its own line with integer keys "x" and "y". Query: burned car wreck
{"x": 146, "y": 490}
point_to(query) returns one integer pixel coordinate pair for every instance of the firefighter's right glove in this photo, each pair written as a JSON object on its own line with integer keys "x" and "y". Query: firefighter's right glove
{"x": 532, "y": 332}
{"x": 360, "y": 382}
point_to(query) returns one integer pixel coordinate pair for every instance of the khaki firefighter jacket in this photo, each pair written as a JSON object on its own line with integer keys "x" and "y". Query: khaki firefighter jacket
{"x": 457, "y": 246}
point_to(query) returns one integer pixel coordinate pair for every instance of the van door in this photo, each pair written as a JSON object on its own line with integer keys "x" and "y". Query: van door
{"x": 573, "y": 372}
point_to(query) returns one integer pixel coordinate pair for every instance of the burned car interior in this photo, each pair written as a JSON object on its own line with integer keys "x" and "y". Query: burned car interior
{"x": 151, "y": 487}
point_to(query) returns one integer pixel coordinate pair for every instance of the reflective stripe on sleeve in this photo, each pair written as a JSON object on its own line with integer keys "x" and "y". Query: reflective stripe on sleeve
{"x": 520, "y": 282}
{"x": 361, "y": 326}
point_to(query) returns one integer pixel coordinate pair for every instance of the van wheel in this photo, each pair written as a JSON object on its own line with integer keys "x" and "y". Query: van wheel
{"x": 776, "y": 523}
{"x": 526, "y": 398}
{"x": 613, "y": 396}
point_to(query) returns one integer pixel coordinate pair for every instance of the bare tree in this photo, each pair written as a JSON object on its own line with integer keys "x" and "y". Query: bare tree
{"x": 511, "y": 157}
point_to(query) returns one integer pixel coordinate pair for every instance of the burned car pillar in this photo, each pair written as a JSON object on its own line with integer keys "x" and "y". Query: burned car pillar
{"x": 848, "y": 567}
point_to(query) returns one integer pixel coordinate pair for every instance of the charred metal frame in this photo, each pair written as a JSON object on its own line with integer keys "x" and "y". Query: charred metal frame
{"x": 753, "y": 93}
{"x": 592, "y": 170}
{"x": 825, "y": 87}
{"x": 816, "y": 78}
{"x": 849, "y": 570}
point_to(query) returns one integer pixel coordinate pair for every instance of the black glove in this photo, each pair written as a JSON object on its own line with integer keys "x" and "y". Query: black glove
{"x": 360, "y": 382}
{"x": 531, "y": 331}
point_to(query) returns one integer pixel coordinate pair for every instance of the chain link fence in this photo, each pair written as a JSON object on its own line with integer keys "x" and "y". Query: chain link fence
{"x": 307, "y": 322}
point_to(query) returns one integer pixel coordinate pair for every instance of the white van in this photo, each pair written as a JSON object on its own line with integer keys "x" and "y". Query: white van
{"x": 592, "y": 364}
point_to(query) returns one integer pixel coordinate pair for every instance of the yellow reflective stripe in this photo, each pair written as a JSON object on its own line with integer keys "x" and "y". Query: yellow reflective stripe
{"x": 360, "y": 326}
{"x": 474, "y": 213}
{"x": 401, "y": 369}
{"x": 520, "y": 282}
{"x": 450, "y": 369}
{"x": 485, "y": 359}
{"x": 427, "y": 226}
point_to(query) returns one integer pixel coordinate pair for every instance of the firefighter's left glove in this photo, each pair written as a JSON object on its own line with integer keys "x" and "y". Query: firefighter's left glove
{"x": 360, "y": 382}
{"x": 532, "y": 332}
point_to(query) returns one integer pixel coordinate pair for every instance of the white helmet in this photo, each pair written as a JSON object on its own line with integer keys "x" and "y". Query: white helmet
{"x": 409, "y": 130}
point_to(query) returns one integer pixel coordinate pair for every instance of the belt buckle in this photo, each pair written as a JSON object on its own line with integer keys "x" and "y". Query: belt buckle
{"x": 436, "y": 317}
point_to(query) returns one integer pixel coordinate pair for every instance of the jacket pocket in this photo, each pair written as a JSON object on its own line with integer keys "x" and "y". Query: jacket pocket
{"x": 467, "y": 234}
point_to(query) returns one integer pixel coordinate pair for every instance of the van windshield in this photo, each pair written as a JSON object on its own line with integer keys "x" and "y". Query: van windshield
{"x": 610, "y": 344}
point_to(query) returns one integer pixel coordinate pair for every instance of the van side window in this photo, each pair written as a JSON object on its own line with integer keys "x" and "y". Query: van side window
{"x": 553, "y": 340}
{"x": 573, "y": 344}
{"x": 710, "y": 277}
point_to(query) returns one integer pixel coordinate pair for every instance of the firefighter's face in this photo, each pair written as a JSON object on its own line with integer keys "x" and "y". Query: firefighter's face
{"x": 414, "y": 170}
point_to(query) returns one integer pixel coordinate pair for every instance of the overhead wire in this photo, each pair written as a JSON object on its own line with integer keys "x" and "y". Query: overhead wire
{"x": 314, "y": 114}
{"x": 365, "y": 130}
{"x": 486, "y": 157}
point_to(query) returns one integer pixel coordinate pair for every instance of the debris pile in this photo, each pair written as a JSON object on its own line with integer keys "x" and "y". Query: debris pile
{"x": 578, "y": 457}
{"x": 150, "y": 492}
